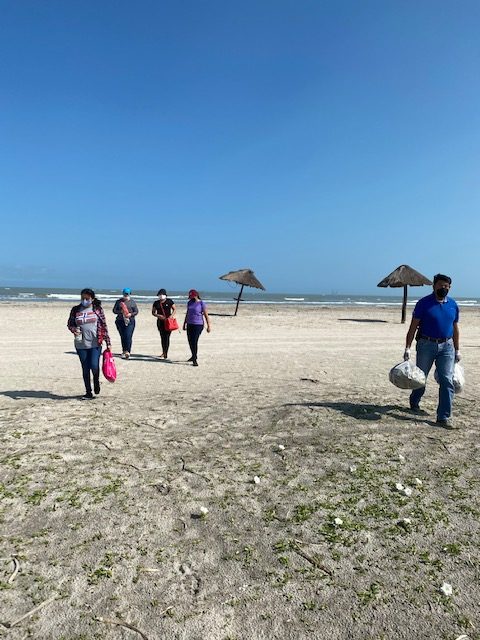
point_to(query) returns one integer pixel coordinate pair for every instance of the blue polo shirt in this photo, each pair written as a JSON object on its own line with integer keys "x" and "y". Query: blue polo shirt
{"x": 436, "y": 318}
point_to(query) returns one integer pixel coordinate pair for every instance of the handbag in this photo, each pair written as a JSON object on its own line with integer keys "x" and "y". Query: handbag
{"x": 109, "y": 369}
{"x": 125, "y": 313}
{"x": 170, "y": 323}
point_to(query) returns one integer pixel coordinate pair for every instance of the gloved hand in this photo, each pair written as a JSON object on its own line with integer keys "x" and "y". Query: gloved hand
{"x": 458, "y": 356}
{"x": 406, "y": 354}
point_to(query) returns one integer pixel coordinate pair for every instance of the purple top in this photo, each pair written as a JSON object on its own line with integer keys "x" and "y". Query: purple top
{"x": 195, "y": 312}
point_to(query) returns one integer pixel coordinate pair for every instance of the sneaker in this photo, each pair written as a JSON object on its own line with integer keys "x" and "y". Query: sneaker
{"x": 127, "y": 355}
{"x": 87, "y": 396}
{"x": 447, "y": 423}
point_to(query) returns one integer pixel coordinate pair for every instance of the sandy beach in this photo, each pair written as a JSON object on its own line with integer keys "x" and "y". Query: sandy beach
{"x": 101, "y": 502}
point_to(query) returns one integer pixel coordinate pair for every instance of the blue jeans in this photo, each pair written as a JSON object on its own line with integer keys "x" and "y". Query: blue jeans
{"x": 90, "y": 359}
{"x": 443, "y": 355}
{"x": 126, "y": 332}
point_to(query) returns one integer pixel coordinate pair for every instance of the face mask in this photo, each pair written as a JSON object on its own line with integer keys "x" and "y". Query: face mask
{"x": 162, "y": 297}
{"x": 86, "y": 303}
{"x": 442, "y": 293}
{"x": 125, "y": 297}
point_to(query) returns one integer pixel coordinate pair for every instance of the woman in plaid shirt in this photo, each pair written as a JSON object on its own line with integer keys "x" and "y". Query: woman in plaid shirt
{"x": 88, "y": 325}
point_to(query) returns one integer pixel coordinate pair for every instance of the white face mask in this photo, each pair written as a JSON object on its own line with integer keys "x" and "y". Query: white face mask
{"x": 162, "y": 297}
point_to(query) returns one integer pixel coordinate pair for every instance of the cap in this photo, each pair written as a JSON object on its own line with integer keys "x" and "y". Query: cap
{"x": 162, "y": 292}
{"x": 127, "y": 291}
{"x": 193, "y": 293}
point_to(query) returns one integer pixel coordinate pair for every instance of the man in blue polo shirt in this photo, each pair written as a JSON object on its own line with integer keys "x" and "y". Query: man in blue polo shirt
{"x": 435, "y": 319}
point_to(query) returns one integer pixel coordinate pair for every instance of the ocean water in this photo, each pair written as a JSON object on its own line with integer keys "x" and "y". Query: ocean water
{"x": 30, "y": 294}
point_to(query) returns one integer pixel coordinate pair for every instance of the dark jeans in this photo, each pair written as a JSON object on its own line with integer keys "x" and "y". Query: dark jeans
{"x": 193, "y": 334}
{"x": 90, "y": 359}
{"x": 165, "y": 338}
{"x": 126, "y": 332}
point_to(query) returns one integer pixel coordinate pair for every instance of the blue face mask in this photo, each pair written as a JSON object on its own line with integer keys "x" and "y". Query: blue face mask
{"x": 86, "y": 303}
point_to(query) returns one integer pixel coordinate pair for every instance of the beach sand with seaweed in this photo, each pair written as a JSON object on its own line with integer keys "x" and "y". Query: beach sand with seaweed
{"x": 252, "y": 497}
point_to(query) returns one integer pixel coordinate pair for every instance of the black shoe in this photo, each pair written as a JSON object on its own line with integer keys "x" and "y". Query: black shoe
{"x": 96, "y": 386}
{"x": 87, "y": 396}
{"x": 195, "y": 363}
{"x": 190, "y": 360}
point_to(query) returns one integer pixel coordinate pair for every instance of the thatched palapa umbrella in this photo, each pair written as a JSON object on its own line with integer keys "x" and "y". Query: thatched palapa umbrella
{"x": 404, "y": 276}
{"x": 245, "y": 278}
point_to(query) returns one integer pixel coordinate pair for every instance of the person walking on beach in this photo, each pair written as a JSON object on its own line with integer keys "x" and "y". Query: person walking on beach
{"x": 88, "y": 325}
{"x": 194, "y": 322}
{"x": 126, "y": 309}
{"x": 435, "y": 319}
{"x": 162, "y": 309}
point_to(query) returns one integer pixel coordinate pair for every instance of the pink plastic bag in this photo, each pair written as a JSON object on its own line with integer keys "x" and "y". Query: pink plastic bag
{"x": 109, "y": 369}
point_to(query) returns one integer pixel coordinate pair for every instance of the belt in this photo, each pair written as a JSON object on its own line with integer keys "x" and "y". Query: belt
{"x": 437, "y": 340}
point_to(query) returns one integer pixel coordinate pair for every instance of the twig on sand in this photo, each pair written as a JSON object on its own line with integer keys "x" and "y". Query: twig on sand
{"x": 298, "y": 541}
{"x": 14, "y": 453}
{"x": 128, "y": 464}
{"x": 188, "y": 470}
{"x": 120, "y": 623}
{"x": 9, "y": 625}
{"x": 314, "y": 380}
{"x": 147, "y": 424}
{"x": 441, "y": 442}
{"x": 16, "y": 569}
{"x": 316, "y": 563}
{"x": 148, "y": 570}
{"x": 104, "y": 444}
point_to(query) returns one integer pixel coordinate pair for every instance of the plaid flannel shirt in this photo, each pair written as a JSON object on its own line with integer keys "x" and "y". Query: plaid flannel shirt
{"x": 102, "y": 329}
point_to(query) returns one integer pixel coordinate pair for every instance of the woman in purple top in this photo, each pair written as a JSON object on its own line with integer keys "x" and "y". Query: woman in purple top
{"x": 194, "y": 321}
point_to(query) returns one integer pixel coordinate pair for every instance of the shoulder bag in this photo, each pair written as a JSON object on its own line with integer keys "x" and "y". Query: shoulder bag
{"x": 170, "y": 323}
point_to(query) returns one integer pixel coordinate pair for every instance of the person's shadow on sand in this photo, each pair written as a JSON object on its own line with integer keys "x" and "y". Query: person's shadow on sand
{"x": 143, "y": 357}
{"x": 362, "y": 320}
{"x": 18, "y": 395}
{"x": 362, "y": 411}
{"x": 221, "y": 315}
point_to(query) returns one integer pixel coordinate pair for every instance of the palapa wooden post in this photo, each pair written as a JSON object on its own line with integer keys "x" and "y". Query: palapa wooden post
{"x": 404, "y": 276}
{"x": 404, "y": 305}
{"x": 238, "y": 299}
{"x": 245, "y": 278}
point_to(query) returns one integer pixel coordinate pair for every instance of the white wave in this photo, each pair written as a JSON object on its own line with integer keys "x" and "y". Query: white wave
{"x": 63, "y": 296}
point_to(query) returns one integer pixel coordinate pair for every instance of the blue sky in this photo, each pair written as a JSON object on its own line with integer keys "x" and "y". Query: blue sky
{"x": 162, "y": 144}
